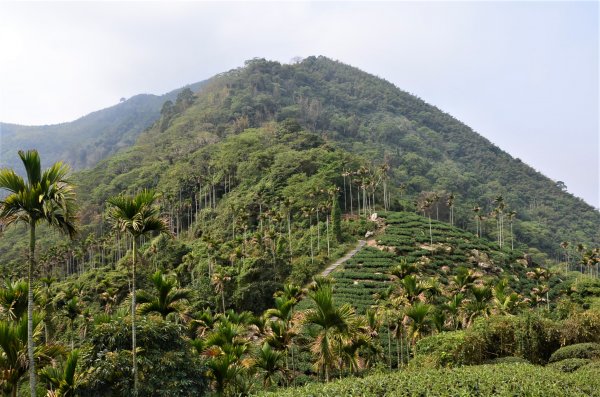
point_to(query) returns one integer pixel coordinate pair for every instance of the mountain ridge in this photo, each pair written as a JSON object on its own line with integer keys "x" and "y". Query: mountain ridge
{"x": 86, "y": 140}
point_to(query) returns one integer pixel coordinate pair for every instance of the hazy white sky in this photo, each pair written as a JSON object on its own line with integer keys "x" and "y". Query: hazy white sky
{"x": 522, "y": 74}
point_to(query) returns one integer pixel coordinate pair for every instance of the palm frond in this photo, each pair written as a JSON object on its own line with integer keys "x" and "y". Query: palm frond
{"x": 33, "y": 166}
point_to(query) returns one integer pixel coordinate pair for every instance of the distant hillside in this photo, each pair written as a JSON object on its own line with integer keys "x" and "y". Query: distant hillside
{"x": 89, "y": 139}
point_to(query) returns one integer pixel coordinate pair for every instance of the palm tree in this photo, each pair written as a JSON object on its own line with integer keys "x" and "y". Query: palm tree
{"x": 224, "y": 347}
{"x": 404, "y": 269}
{"x": 425, "y": 206}
{"x": 565, "y": 246}
{"x": 14, "y": 344}
{"x": 202, "y": 323}
{"x": 46, "y": 197}
{"x": 454, "y": 307}
{"x": 581, "y": 249}
{"x": 281, "y": 326}
{"x": 284, "y": 330}
{"x": 72, "y": 310}
{"x": 505, "y": 301}
{"x": 13, "y": 299}
{"x": 480, "y": 304}
{"x": 218, "y": 282}
{"x": 63, "y": 380}
{"x": 419, "y": 321}
{"x": 136, "y": 216}
{"x": 168, "y": 299}
{"x": 334, "y": 327}
{"x": 476, "y": 210}
{"x": 269, "y": 361}
{"x": 412, "y": 289}
{"x": 450, "y": 203}
{"x": 540, "y": 274}
{"x": 511, "y": 216}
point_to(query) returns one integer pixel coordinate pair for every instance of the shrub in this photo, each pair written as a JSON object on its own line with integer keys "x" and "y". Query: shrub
{"x": 445, "y": 349}
{"x": 508, "y": 360}
{"x": 579, "y": 350}
{"x": 581, "y": 327}
{"x": 569, "y": 364}
{"x": 590, "y": 369}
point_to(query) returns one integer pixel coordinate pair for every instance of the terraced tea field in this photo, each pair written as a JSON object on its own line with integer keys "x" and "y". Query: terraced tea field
{"x": 407, "y": 237}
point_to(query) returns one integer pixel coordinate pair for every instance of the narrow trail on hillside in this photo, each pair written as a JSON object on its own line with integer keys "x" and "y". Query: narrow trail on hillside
{"x": 350, "y": 254}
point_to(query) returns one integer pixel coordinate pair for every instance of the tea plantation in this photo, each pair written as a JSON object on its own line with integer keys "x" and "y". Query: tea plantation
{"x": 502, "y": 380}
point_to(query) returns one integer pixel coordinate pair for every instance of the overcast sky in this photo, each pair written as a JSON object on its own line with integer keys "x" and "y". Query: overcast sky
{"x": 522, "y": 74}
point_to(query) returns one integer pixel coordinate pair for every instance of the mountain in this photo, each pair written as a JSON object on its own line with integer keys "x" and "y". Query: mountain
{"x": 422, "y": 148}
{"x": 278, "y": 140}
{"x": 89, "y": 139}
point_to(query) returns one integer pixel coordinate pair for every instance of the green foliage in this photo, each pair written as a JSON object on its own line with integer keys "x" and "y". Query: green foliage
{"x": 253, "y": 174}
{"x": 569, "y": 364}
{"x": 445, "y": 349}
{"x": 166, "y": 364}
{"x": 502, "y": 380}
{"x": 579, "y": 350}
{"x": 581, "y": 327}
{"x": 508, "y": 360}
{"x": 64, "y": 380}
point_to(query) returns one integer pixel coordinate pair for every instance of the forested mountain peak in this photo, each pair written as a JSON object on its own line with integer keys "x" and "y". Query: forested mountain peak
{"x": 425, "y": 149}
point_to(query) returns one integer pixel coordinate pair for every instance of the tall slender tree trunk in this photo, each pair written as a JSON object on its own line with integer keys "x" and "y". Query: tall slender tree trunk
{"x": 133, "y": 334}
{"x": 290, "y": 233}
{"x": 358, "y": 200}
{"x": 223, "y": 298}
{"x": 30, "y": 345}
{"x": 318, "y": 233}
{"x": 293, "y": 364}
{"x": 312, "y": 253}
{"x": 401, "y": 350}
{"x": 397, "y": 352}
{"x": 345, "y": 206}
{"x": 512, "y": 240}
{"x": 389, "y": 337}
{"x": 430, "y": 233}
{"x": 351, "y": 209}
{"x": 327, "y": 230}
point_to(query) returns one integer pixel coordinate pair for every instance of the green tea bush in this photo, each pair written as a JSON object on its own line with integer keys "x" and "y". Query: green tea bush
{"x": 501, "y": 380}
{"x": 579, "y": 350}
{"x": 508, "y": 360}
{"x": 569, "y": 364}
{"x": 445, "y": 349}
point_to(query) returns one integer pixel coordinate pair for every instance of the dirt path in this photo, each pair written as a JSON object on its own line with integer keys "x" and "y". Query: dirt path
{"x": 333, "y": 266}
